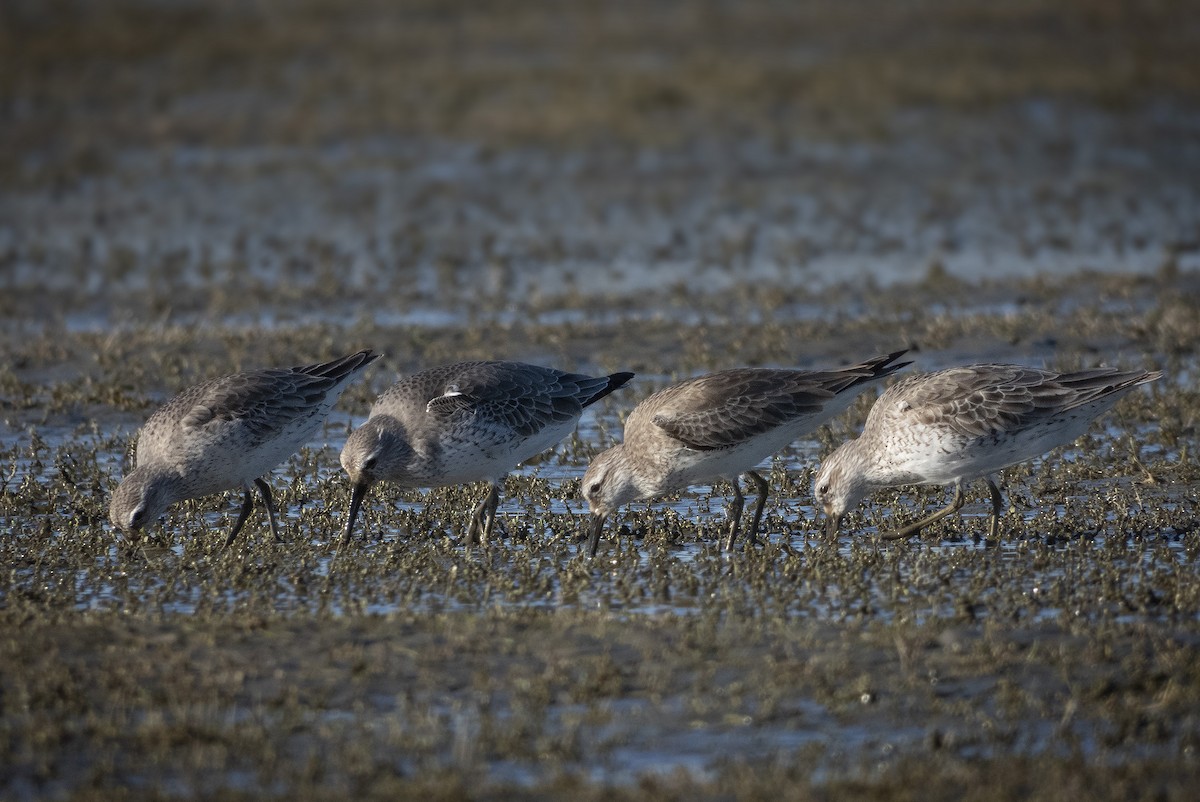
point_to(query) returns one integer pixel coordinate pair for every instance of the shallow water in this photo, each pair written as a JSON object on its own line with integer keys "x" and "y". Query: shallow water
{"x": 1088, "y": 547}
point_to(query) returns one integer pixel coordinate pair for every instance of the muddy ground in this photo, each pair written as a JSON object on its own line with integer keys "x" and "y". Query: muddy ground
{"x": 189, "y": 189}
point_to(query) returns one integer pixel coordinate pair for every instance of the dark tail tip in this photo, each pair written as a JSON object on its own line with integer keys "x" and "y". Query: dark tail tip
{"x": 888, "y": 364}
{"x": 883, "y": 366}
{"x": 886, "y": 361}
{"x": 615, "y": 382}
{"x": 618, "y": 380}
{"x": 360, "y": 359}
{"x": 341, "y": 367}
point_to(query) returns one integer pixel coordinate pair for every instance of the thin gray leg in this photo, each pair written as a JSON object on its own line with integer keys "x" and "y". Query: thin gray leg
{"x": 763, "y": 488}
{"x": 264, "y": 490}
{"x": 997, "y": 507}
{"x": 912, "y": 529}
{"x": 482, "y": 517}
{"x": 476, "y": 524}
{"x": 490, "y": 504}
{"x": 734, "y": 511}
{"x": 247, "y": 503}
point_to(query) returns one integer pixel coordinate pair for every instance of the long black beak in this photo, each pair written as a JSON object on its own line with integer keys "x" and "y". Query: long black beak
{"x": 833, "y": 523}
{"x": 594, "y": 538}
{"x": 356, "y": 499}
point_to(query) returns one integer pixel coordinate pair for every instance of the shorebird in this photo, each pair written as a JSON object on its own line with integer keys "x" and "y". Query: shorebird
{"x": 466, "y": 422}
{"x": 228, "y": 433}
{"x": 961, "y": 424}
{"x": 719, "y": 426}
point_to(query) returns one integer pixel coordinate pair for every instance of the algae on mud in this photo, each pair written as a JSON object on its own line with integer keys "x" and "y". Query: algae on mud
{"x": 666, "y": 668}
{"x": 533, "y": 703}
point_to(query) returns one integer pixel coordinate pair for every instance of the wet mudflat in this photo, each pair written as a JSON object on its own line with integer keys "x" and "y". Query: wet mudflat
{"x": 1063, "y": 656}
{"x": 193, "y": 189}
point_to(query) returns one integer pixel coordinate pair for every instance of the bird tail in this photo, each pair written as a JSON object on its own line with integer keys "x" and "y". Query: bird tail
{"x": 878, "y": 368}
{"x": 342, "y": 368}
{"x": 614, "y": 381}
{"x": 1090, "y": 385}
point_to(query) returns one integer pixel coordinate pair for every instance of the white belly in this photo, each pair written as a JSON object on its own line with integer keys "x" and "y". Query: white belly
{"x": 474, "y": 455}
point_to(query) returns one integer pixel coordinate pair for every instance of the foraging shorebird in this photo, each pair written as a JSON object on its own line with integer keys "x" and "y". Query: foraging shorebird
{"x": 961, "y": 424}
{"x": 228, "y": 433}
{"x": 719, "y": 426}
{"x": 466, "y": 422}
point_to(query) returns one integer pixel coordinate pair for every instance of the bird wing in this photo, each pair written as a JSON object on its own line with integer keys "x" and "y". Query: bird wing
{"x": 722, "y": 410}
{"x": 262, "y": 403}
{"x": 981, "y": 399}
{"x": 522, "y": 398}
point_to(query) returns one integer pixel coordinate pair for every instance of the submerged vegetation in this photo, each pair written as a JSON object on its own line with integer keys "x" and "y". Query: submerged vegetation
{"x": 665, "y": 667}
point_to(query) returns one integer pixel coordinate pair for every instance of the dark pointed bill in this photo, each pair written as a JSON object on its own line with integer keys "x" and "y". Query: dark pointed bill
{"x": 356, "y": 499}
{"x": 833, "y": 523}
{"x": 594, "y": 537}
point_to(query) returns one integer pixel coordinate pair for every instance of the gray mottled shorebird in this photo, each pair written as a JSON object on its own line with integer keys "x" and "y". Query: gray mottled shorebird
{"x": 719, "y": 426}
{"x": 228, "y": 433}
{"x": 466, "y": 422}
{"x": 961, "y": 424}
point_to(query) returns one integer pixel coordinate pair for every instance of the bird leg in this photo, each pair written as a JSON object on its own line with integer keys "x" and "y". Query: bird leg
{"x": 492, "y": 500}
{"x": 475, "y": 526}
{"x": 483, "y": 516}
{"x": 913, "y": 528}
{"x": 734, "y": 513}
{"x": 265, "y": 490}
{"x": 997, "y": 507}
{"x": 763, "y": 488}
{"x": 247, "y": 503}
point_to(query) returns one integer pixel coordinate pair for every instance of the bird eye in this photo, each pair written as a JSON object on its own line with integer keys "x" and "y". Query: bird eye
{"x": 593, "y": 489}
{"x": 369, "y": 463}
{"x": 135, "y": 520}
{"x": 823, "y": 489}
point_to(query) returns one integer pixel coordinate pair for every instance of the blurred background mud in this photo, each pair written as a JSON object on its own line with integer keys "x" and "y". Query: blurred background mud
{"x": 417, "y": 161}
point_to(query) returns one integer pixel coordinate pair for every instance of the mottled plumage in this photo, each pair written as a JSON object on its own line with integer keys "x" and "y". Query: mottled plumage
{"x": 466, "y": 422}
{"x": 719, "y": 426}
{"x": 228, "y": 433}
{"x": 966, "y": 423}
